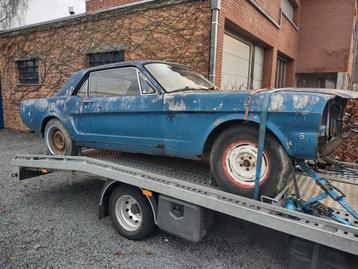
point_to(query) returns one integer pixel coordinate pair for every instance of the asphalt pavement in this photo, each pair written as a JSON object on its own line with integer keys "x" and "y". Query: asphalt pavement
{"x": 51, "y": 222}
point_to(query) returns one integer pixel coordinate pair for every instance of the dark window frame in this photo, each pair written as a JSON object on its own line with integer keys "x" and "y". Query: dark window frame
{"x": 84, "y": 84}
{"x": 28, "y": 71}
{"x": 281, "y": 72}
{"x": 305, "y": 80}
{"x": 108, "y": 57}
{"x": 86, "y": 81}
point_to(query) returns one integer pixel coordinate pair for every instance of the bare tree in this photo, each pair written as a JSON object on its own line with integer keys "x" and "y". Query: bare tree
{"x": 11, "y": 11}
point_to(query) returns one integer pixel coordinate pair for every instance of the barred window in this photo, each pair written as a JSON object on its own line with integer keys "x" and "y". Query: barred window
{"x": 28, "y": 70}
{"x": 100, "y": 58}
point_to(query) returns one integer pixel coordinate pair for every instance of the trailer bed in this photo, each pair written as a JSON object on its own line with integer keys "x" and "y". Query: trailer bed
{"x": 199, "y": 172}
{"x": 190, "y": 181}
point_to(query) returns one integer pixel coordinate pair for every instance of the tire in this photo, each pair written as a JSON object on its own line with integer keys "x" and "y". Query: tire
{"x": 58, "y": 140}
{"x": 131, "y": 213}
{"x": 233, "y": 162}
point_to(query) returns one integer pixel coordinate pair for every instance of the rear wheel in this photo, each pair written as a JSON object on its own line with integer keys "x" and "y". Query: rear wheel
{"x": 233, "y": 162}
{"x": 58, "y": 140}
{"x": 131, "y": 213}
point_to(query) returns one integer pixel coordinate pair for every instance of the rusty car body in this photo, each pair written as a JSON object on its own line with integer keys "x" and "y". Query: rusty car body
{"x": 185, "y": 122}
{"x": 181, "y": 123}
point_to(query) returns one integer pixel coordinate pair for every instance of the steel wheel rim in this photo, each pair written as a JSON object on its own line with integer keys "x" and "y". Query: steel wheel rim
{"x": 128, "y": 213}
{"x": 240, "y": 164}
{"x": 56, "y": 141}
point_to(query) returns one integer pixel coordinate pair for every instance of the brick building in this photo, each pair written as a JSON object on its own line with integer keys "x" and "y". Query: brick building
{"x": 239, "y": 44}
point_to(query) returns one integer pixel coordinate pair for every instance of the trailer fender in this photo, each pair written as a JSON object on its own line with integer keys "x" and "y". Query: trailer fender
{"x": 106, "y": 192}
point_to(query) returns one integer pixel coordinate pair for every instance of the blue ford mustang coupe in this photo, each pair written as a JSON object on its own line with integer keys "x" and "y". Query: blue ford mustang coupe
{"x": 163, "y": 108}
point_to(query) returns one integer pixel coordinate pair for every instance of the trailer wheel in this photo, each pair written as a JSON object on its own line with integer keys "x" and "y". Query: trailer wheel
{"x": 131, "y": 213}
{"x": 58, "y": 140}
{"x": 233, "y": 162}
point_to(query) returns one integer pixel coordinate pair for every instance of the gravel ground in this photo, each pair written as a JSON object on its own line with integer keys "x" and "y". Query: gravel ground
{"x": 51, "y": 222}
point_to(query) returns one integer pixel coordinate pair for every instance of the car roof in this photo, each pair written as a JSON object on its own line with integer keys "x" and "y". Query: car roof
{"x": 78, "y": 76}
{"x": 126, "y": 63}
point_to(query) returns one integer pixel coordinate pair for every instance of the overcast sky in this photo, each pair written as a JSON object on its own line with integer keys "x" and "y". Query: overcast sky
{"x": 44, "y": 10}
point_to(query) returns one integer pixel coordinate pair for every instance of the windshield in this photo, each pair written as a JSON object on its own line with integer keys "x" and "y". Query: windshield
{"x": 174, "y": 78}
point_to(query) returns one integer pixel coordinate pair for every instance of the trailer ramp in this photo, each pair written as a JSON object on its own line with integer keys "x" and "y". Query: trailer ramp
{"x": 190, "y": 181}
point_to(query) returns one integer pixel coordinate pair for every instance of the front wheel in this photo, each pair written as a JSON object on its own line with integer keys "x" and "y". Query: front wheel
{"x": 233, "y": 162}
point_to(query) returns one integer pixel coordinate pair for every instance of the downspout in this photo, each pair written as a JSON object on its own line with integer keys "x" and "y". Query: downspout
{"x": 215, "y": 10}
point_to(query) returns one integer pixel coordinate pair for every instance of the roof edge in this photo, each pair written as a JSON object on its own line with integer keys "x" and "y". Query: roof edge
{"x": 92, "y": 16}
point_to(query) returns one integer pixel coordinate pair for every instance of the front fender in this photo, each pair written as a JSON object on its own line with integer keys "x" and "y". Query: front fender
{"x": 253, "y": 118}
{"x": 297, "y": 132}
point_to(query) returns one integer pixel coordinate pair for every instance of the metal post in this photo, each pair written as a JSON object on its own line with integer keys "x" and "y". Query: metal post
{"x": 215, "y": 10}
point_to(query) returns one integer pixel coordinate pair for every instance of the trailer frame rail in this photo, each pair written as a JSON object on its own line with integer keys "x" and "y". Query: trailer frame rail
{"x": 319, "y": 230}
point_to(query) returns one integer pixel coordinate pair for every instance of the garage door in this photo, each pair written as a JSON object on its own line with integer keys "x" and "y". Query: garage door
{"x": 242, "y": 65}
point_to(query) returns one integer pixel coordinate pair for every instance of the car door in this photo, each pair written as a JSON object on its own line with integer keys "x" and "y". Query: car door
{"x": 122, "y": 111}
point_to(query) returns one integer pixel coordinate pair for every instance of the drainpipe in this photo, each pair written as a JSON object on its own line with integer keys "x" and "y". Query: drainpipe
{"x": 215, "y": 10}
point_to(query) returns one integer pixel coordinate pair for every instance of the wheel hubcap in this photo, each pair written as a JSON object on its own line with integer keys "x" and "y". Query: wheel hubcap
{"x": 56, "y": 141}
{"x": 240, "y": 164}
{"x": 128, "y": 213}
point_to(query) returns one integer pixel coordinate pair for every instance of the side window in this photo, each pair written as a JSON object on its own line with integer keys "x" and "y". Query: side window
{"x": 114, "y": 82}
{"x": 145, "y": 86}
{"x": 83, "y": 90}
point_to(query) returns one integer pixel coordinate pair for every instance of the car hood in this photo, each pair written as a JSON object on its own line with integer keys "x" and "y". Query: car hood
{"x": 282, "y": 100}
{"x": 341, "y": 93}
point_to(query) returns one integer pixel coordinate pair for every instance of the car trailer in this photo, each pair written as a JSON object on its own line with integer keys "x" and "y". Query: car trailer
{"x": 179, "y": 197}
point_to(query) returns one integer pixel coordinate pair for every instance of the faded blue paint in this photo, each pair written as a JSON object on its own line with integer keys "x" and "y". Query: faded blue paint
{"x": 71, "y": 83}
{"x": 178, "y": 124}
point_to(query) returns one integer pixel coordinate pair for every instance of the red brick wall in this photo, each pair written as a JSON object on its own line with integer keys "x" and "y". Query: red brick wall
{"x": 161, "y": 31}
{"x": 93, "y": 5}
{"x": 272, "y": 7}
{"x": 253, "y": 24}
{"x": 325, "y": 41}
